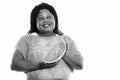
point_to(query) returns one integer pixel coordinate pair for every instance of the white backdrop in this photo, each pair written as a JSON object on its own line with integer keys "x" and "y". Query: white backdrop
{"x": 92, "y": 24}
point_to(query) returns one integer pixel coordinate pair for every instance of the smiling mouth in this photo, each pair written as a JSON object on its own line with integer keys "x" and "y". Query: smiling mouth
{"x": 46, "y": 25}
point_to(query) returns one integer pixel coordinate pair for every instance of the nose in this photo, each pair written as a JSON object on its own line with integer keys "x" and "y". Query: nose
{"x": 47, "y": 21}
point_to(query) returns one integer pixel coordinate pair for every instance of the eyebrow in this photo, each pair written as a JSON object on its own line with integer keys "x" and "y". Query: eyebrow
{"x": 47, "y": 15}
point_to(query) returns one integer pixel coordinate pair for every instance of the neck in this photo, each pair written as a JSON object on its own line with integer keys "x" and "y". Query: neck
{"x": 46, "y": 34}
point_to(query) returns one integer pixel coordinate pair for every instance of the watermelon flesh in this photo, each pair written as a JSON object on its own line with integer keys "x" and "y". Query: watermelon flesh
{"x": 55, "y": 53}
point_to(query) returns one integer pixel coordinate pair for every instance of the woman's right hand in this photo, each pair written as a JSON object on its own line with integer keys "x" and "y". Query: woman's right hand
{"x": 44, "y": 65}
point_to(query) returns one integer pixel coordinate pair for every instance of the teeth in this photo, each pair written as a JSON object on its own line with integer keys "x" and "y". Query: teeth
{"x": 45, "y": 25}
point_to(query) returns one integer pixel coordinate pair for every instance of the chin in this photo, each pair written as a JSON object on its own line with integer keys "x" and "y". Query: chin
{"x": 48, "y": 30}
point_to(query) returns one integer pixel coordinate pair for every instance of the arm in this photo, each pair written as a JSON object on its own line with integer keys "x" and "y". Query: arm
{"x": 73, "y": 57}
{"x": 75, "y": 61}
{"x": 19, "y": 63}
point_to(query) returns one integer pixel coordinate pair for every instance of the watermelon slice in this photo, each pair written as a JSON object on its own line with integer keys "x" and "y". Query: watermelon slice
{"x": 56, "y": 53}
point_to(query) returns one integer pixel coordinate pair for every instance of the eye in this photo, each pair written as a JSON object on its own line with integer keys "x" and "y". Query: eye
{"x": 49, "y": 17}
{"x": 41, "y": 18}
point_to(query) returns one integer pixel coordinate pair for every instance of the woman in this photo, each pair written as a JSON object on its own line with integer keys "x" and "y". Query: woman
{"x": 29, "y": 54}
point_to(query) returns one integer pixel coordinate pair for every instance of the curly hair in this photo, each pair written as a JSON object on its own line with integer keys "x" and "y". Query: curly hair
{"x": 34, "y": 15}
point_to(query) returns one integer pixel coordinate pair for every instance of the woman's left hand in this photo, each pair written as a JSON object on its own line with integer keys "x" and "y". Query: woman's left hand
{"x": 48, "y": 65}
{"x": 74, "y": 61}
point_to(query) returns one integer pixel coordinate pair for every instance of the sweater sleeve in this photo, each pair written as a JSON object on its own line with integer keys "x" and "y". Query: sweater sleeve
{"x": 71, "y": 47}
{"x": 22, "y": 46}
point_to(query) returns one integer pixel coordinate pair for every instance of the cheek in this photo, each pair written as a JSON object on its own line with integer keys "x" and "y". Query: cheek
{"x": 39, "y": 26}
{"x": 39, "y": 22}
{"x": 54, "y": 23}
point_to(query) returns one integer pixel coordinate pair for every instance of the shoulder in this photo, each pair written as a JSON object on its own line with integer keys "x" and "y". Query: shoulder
{"x": 67, "y": 39}
{"x": 27, "y": 37}
{"x": 23, "y": 37}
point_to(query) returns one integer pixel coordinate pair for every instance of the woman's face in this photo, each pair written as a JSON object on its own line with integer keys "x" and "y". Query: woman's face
{"x": 45, "y": 21}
